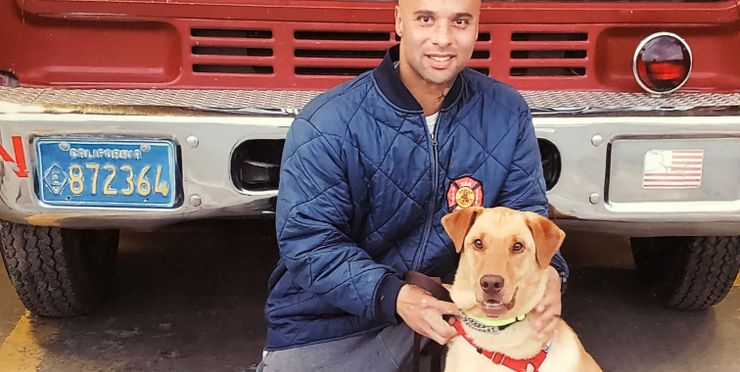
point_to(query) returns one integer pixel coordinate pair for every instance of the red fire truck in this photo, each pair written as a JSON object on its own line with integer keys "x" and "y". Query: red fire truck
{"x": 135, "y": 114}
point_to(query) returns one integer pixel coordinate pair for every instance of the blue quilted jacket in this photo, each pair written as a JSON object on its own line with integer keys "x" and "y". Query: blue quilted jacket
{"x": 363, "y": 187}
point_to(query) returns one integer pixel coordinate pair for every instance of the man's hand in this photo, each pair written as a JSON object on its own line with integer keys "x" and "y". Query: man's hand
{"x": 423, "y": 313}
{"x": 547, "y": 312}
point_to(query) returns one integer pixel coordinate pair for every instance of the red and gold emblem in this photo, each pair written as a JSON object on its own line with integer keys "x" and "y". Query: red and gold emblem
{"x": 464, "y": 192}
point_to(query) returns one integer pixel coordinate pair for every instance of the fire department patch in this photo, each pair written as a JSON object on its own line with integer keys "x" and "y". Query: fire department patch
{"x": 464, "y": 192}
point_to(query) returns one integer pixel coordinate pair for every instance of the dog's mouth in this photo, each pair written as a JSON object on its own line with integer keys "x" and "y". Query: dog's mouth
{"x": 494, "y": 306}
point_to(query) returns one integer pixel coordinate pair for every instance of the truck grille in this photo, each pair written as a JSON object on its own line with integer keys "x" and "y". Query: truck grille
{"x": 320, "y": 56}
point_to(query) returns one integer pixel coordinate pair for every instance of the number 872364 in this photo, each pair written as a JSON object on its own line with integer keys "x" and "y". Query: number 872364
{"x": 88, "y": 175}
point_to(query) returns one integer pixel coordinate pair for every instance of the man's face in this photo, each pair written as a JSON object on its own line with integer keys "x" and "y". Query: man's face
{"x": 437, "y": 37}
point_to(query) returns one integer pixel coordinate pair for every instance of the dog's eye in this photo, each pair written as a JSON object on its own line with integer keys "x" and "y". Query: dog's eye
{"x": 518, "y": 247}
{"x": 478, "y": 243}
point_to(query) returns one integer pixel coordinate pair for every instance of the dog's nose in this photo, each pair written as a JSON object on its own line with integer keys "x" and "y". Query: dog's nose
{"x": 492, "y": 284}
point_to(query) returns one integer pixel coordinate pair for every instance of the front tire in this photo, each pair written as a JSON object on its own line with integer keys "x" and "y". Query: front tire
{"x": 690, "y": 273}
{"x": 58, "y": 272}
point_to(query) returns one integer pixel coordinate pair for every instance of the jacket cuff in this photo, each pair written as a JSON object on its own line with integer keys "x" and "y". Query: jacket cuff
{"x": 558, "y": 262}
{"x": 385, "y": 304}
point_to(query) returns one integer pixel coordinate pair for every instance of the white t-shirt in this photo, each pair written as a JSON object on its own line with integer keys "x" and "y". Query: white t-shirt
{"x": 432, "y": 122}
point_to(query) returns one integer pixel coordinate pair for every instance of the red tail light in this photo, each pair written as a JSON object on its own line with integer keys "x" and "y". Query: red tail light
{"x": 662, "y": 63}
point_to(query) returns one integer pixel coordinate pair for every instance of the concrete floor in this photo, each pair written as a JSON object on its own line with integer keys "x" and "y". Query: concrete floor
{"x": 190, "y": 299}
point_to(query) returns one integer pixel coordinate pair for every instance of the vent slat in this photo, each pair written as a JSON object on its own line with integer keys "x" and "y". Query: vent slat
{"x": 232, "y": 69}
{"x": 336, "y": 62}
{"x": 231, "y": 33}
{"x": 342, "y": 44}
{"x": 342, "y": 35}
{"x": 330, "y": 71}
{"x": 549, "y": 36}
{"x": 232, "y": 59}
{"x": 533, "y": 45}
{"x": 481, "y": 54}
{"x": 482, "y": 70}
{"x": 231, "y": 51}
{"x": 576, "y": 72}
{"x": 548, "y": 54}
{"x": 483, "y": 37}
{"x": 245, "y": 43}
{"x": 339, "y": 53}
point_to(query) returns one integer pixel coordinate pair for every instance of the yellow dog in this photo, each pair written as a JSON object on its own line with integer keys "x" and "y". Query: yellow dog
{"x": 500, "y": 279}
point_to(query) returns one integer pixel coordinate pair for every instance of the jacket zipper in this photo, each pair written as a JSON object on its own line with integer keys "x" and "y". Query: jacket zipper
{"x": 433, "y": 201}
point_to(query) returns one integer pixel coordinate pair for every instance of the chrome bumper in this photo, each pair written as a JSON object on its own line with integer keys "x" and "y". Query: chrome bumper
{"x": 206, "y": 144}
{"x": 603, "y": 168}
{"x": 601, "y": 148}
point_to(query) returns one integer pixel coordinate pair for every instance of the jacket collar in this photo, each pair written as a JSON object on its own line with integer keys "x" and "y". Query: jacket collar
{"x": 386, "y": 76}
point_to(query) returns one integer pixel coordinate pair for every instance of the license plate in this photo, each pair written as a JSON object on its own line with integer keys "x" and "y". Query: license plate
{"x": 106, "y": 173}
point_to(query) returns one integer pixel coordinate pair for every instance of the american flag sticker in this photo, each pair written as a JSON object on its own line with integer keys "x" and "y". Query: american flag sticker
{"x": 673, "y": 169}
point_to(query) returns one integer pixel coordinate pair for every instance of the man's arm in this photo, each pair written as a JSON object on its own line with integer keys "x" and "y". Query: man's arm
{"x": 312, "y": 221}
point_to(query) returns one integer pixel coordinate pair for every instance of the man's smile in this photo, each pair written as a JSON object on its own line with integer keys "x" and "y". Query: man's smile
{"x": 440, "y": 61}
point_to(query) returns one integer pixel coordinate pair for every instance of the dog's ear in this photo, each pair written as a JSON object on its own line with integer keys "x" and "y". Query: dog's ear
{"x": 547, "y": 237}
{"x": 458, "y": 223}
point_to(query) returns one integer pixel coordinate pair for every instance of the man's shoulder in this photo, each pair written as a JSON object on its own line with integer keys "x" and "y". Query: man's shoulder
{"x": 339, "y": 101}
{"x": 495, "y": 91}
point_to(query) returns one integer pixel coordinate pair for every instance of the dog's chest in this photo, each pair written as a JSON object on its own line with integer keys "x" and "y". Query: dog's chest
{"x": 462, "y": 357}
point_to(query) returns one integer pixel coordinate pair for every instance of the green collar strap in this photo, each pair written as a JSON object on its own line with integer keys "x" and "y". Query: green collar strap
{"x": 490, "y": 325}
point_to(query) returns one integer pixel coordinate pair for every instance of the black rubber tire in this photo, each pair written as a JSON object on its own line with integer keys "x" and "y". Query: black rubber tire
{"x": 690, "y": 273}
{"x": 58, "y": 272}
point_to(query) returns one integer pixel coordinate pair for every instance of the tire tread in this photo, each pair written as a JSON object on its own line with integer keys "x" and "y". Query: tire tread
{"x": 43, "y": 274}
{"x": 699, "y": 271}
{"x": 712, "y": 267}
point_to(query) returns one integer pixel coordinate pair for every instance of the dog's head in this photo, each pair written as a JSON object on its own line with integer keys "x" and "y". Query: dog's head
{"x": 503, "y": 261}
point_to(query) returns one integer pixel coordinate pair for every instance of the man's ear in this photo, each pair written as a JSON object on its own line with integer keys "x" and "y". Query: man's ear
{"x": 547, "y": 237}
{"x": 399, "y": 21}
{"x": 458, "y": 223}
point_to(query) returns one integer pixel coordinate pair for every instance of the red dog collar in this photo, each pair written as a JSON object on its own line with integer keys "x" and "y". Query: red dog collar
{"x": 519, "y": 365}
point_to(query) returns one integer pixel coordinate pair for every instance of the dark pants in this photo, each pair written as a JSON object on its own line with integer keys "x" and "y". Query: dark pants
{"x": 388, "y": 350}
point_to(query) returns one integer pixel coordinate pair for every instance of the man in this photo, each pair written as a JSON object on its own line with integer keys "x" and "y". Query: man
{"x": 368, "y": 171}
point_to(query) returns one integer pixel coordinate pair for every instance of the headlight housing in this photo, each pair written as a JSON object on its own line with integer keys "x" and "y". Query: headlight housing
{"x": 662, "y": 63}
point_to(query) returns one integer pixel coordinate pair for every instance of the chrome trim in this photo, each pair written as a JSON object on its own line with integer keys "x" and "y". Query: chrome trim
{"x": 647, "y": 40}
{"x": 288, "y": 102}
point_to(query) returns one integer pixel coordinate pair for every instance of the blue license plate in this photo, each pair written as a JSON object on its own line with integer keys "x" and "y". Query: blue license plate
{"x": 106, "y": 173}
